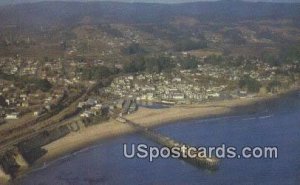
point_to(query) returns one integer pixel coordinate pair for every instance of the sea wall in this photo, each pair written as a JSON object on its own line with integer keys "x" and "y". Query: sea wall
{"x": 26, "y": 152}
{"x": 31, "y": 149}
{"x": 18, "y": 159}
{"x": 12, "y": 162}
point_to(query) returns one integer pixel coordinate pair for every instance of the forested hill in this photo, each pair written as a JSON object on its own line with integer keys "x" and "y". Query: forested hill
{"x": 70, "y": 13}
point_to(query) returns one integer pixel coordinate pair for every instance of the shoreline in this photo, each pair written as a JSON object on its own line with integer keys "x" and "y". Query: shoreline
{"x": 87, "y": 137}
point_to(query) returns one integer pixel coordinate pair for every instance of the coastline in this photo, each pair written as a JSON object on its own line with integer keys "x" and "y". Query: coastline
{"x": 144, "y": 116}
{"x": 147, "y": 117}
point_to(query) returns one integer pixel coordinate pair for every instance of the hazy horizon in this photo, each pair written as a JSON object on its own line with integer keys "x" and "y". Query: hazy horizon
{"x": 4, "y": 2}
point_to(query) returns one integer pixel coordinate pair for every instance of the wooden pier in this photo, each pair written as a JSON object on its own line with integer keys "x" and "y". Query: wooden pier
{"x": 210, "y": 163}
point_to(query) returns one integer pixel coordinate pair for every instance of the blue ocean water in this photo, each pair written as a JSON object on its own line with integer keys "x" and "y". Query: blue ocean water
{"x": 105, "y": 164}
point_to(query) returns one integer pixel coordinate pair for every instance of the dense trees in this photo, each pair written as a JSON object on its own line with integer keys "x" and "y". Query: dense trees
{"x": 42, "y": 84}
{"x": 110, "y": 30}
{"x": 2, "y": 101}
{"x": 287, "y": 54}
{"x": 265, "y": 34}
{"x": 135, "y": 66}
{"x": 271, "y": 59}
{"x": 133, "y": 49}
{"x": 22, "y": 81}
{"x": 189, "y": 44}
{"x": 290, "y": 54}
{"x": 98, "y": 72}
{"x": 150, "y": 64}
{"x": 235, "y": 36}
{"x": 214, "y": 59}
{"x": 273, "y": 86}
{"x": 189, "y": 63}
{"x": 252, "y": 85}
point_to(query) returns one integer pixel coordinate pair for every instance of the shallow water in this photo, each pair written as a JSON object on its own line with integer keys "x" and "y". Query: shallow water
{"x": 105, "y": 164}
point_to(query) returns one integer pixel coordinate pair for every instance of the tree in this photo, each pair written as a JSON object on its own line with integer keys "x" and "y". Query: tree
{"x": 150, "y": 64}
{"x": 290, "y": 53}
{"x": 134, "y": 66}
{"x": 189, "y": 44}
{"x": 189, "y": 63}
{"x": 2, "y": 101}
{"x": 273, "y": 86}
{"x": 98, "y": 72}
{"x": 214, "y": 59}
{"x": 250, "y": 84}
{"x": 236, "y": 36}
{"x": 44, "y": 85}
{"x": 133, "y": 49}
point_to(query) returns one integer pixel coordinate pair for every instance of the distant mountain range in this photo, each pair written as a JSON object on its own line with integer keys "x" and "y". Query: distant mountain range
{"x": 5, "y": 2}
{"x": 70, "y": 13}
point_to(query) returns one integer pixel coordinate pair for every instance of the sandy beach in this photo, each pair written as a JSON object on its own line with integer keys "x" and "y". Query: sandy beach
{"x": 148, "y": 117}
{"x": 144, "y": 116}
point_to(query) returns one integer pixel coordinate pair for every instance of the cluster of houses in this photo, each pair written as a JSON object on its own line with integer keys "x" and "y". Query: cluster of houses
{"x": 57, "y": 71}
{"x": 110, "y": 39}
{"x": 160, "y": 87}
{"x": 207, "y": 82}
{"x": 15, "y": 102}
{"x": 19, "y": 99}
{"x": 92, "y": 107}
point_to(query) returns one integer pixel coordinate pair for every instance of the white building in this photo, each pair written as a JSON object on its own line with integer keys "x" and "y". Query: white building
{"x": 11, "y": 116}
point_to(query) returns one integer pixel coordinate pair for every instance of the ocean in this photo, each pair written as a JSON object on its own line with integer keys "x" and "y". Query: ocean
{"x": 104, "y": 164}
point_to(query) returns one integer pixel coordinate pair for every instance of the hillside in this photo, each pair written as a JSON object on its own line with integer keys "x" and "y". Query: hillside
{"x": 114, "y": 31}
{"x": 70, "y": 13}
